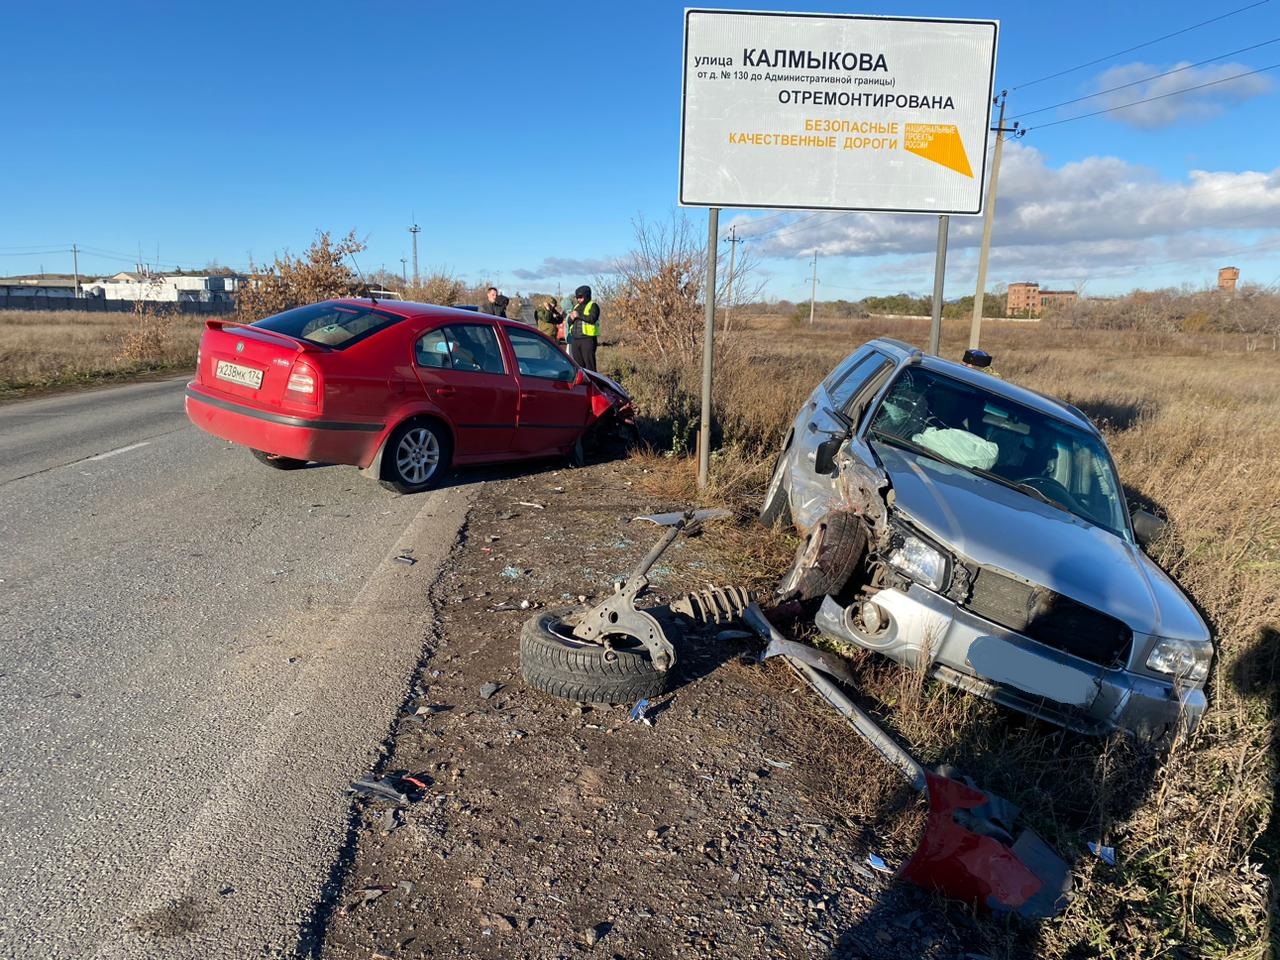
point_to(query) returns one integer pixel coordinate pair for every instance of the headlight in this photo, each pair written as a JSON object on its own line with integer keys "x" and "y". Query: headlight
{"x": 1186, "y": 659}
{"x": 919, "y": 561}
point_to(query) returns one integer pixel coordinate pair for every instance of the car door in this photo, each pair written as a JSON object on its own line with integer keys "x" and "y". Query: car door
{"x": 463, "y": 371}
{"x": 555, "y": 400}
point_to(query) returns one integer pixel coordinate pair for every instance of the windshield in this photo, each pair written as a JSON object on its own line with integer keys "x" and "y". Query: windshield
{"x": 1003, "y": 441}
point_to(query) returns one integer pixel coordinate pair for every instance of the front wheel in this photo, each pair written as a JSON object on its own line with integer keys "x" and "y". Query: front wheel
{"x": 416, "y": 457}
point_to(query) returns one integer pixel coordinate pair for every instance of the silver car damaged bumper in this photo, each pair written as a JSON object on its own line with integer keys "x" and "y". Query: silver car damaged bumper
{"x": 925, "y": 630}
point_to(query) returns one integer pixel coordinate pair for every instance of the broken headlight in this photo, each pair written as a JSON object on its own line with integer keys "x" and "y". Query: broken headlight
{"x": 1185, "y": 659}
{"x": 921, "y": 561}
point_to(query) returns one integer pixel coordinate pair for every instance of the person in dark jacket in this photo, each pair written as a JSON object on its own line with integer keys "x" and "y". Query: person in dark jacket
{"x": 585, "y": 321}
{"x": 496, "y": 304}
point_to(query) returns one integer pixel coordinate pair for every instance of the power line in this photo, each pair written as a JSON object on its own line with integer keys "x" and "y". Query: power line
{"x": 1139, "y": 46}
{"x": 1135, "y": 83}
{"x": 1162, "y": 96}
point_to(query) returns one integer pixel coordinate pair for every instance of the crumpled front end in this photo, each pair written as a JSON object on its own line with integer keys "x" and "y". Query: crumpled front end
{"x": 923, "y": 630}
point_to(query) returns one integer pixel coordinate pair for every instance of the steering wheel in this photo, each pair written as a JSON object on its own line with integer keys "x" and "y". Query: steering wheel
{"x": 1053, "y": 489}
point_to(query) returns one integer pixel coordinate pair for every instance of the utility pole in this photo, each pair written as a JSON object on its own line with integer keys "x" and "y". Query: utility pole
{"x": 75, "y": 265}
{"x": 415, "y": 230}
{"x": 813, "y": 294}
{"x": 728, "y": 297}
{"x": 975, "y": 328}
{"x": 404, "y": 271}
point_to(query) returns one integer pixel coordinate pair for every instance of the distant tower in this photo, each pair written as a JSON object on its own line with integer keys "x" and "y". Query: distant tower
{"x": 1227, "y": 278}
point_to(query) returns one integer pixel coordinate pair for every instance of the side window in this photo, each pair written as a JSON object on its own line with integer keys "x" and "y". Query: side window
{"x": 474, "y": 348}
{"x": 842, "y": 371}
{"x": 874, "y": 381}
{"x": 844, "y": 391}
{"x": 536, "y": 357}
{"x": 432, "y": 350}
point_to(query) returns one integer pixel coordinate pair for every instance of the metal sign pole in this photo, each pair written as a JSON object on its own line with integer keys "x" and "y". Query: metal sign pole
{"x": 939, "y": 275}
{"x": 708, "y": 348}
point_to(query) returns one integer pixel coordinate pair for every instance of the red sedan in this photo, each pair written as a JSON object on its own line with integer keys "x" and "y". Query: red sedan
{"x": 401, "y": 390}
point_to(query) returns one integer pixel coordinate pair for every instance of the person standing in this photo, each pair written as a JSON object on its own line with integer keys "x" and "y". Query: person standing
{"x": 549, "y": 317}
{"x": 495, "y": 305}
{"x": 584, "y": 322}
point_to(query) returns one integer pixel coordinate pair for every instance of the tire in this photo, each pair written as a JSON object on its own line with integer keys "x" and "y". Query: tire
{"x": 777, "y": 501}
{"x": 554, "y": 661}
{"x": 416, "y": 456}
{"x": 826, "y": 561}
{"x": 277, "y": 462}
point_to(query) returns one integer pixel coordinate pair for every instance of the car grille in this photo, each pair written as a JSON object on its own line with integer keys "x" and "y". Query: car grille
{"x": 1050, "y": 618}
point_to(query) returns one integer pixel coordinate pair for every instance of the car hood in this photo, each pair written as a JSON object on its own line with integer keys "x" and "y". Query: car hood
{"x": 996, "y": 526}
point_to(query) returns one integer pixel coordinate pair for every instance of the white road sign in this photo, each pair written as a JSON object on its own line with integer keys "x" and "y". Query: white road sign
{"x": 831, "y": 112}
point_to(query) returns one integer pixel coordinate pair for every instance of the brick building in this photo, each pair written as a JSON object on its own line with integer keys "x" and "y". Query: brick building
{"x": 1028, "y": 300}
{"x": 1227, "y": 278}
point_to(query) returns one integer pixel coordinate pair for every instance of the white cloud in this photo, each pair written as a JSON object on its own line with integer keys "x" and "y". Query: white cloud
{"x": 1085, "y": 218}
{"x": 1202, "y": 104}
{"x": 554, "y": 267}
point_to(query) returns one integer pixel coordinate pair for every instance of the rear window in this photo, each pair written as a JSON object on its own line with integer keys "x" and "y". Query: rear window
{"x": 330, "y": 324}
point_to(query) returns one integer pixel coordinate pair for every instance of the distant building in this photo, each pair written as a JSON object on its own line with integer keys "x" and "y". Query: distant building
{"x": 48, "y": 287}
{"x": 1026, "y": 299}
{"x": 165, "y": 287}
{"x": 1227, "y": 278}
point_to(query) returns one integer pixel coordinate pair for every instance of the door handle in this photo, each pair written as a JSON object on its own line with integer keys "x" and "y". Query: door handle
{"x": 445, "y": 391}
{"x": 528, "y": 396}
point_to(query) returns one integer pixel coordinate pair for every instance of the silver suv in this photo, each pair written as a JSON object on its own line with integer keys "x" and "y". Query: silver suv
{"x": 978, "y": 530}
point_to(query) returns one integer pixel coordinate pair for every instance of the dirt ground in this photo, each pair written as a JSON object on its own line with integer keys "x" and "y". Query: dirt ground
{"x": 552, "y": 829}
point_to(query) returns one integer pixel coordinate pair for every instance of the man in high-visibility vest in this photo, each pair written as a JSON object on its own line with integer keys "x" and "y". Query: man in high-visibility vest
{"x": 585, "y": 318}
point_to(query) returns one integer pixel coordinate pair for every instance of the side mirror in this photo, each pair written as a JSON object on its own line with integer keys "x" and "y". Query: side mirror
{"x": 825, "y": 459}
{"x": 1147, "y": 527}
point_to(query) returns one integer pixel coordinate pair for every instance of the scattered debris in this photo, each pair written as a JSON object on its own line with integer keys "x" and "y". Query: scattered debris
{"x": 695, "y": 516}
{"x": 968, "y": 851}
{"x": 877, "y": 864}
{"x": 639, "y": 712}
{"x": 1106, "y": 854}
{"x": 489, "y": 689}
{"x": 530, "y": 503}
{"x": 406, "y": 886}
{"x": 510, "y": 573}
{"x": 379, "y": 789}
{"x": 406, "y": 559}
{"x": 778, "y": 764}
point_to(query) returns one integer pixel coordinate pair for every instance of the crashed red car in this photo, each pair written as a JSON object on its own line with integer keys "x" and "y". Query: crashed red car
{"x": 401, "y": 390}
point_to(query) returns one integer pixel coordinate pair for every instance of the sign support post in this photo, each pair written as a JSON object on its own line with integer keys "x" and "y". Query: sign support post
{"x": 708, "y": 348}
{"x": 939, "y": 277}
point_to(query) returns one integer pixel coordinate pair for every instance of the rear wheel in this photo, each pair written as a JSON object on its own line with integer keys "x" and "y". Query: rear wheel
{"x": 277, "y": 462}
{"x": 416, "y": 457}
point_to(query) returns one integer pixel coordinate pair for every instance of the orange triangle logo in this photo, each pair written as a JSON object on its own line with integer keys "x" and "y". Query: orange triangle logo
{"x": 939, "y": 142}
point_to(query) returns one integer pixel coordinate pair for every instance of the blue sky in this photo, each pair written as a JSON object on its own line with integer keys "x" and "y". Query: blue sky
{"x": 527, "y": 137}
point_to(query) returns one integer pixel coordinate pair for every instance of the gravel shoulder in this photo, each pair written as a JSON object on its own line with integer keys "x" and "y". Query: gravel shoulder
{"x": 552, "y": 829}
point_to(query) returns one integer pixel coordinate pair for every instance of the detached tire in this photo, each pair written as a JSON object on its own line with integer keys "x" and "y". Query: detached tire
{"x": 554, "y": 661}
{"x": 416, "y": 456}
{"x": 277, "y": 462}
{"x": 825, "y": 562}
{"x": 777, "y": 502}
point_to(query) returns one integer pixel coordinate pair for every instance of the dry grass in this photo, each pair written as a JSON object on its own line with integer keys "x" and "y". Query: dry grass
{"x": 44, "y": 349}
{"x": 1193, "y": 421}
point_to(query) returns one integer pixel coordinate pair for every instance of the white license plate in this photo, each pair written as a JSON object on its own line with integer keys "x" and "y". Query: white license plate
{"x": 234, "y": 372}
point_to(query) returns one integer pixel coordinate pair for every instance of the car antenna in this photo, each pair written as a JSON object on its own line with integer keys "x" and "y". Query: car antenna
{"x": 364, "y": 284}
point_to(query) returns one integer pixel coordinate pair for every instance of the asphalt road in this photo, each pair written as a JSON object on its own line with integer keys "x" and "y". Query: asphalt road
{"x": 197, "y": 655}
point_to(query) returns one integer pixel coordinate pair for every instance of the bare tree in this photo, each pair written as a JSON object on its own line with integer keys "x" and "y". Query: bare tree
{"x": 656, "y": 291}
{"x": 292, "y": 281}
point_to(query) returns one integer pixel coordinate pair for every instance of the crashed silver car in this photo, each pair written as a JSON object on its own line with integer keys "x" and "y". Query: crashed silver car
{"x": 978, "y": 530}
